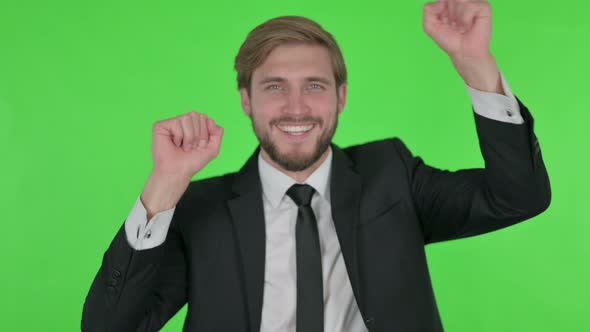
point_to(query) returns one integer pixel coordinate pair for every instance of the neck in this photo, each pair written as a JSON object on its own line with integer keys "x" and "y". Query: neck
{"x": 299, "y": 176}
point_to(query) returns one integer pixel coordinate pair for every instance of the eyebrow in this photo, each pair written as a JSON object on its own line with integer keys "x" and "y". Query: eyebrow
{"x": 307, "y": 79}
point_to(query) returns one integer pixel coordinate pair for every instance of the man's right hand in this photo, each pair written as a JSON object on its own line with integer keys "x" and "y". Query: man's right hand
{"x": 181, "y": 147}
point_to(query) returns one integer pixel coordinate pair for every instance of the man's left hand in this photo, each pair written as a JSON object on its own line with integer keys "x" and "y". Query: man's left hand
{"x": 463, "y": 29}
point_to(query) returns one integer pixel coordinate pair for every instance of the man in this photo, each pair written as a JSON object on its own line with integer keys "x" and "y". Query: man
{"x": 308, "y": 236}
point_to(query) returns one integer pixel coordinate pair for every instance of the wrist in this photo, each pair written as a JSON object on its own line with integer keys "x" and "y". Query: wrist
{"x": 162, "y": 192}
{"x": 479, "y": 73}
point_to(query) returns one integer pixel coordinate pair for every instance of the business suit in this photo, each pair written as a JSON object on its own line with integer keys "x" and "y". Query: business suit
{"x": 386, "y": 206}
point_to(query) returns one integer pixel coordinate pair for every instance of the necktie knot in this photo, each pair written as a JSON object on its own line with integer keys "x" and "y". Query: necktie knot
{"x": 301, "y": 194}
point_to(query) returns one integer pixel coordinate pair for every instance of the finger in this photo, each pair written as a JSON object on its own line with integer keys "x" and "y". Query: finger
{"x": 468, "y": 12}
{"x": 443, "y": 14}
{"x": 212, "y": 127}
{"x": 216, "y": 133}
{"x": 434, "y": 8}
{"x": 175, "y": 127}
{"x": 188, "y": 131}
{"x": 204, "y": 132}
{"x": 433, "y": 15}
{"x": 451, "y": 5}
{"x": 464, "y": 14}
{"x": 177, "y": 133}
{"x": 194, "y": 116}
{"x": 454, "y": 7}
{"x": 170, "y": 128}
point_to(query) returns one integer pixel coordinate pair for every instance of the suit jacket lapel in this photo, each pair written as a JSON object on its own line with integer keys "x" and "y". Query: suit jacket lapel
{"x": 345, "y": 193}
{"x": 247, "y": 212}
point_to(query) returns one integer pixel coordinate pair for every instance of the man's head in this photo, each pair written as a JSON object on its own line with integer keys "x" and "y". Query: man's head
{"x": 292, "y": 82}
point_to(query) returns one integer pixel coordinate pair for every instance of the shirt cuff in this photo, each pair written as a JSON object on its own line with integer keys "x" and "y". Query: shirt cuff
{"x": 141, "y": 236}
{"x": 496, "y": 106}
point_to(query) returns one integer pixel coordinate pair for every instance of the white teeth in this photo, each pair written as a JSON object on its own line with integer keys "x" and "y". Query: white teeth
{"x": 295, "y": 129}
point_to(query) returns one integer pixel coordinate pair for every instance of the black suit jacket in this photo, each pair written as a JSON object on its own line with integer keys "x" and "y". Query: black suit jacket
{"x": 386, "y": 206}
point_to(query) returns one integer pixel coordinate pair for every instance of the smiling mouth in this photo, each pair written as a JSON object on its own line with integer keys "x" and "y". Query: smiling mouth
{"x": 295, "y": 129}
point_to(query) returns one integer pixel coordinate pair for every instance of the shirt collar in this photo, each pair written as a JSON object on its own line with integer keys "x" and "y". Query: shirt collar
{"x": 276, "y": 183}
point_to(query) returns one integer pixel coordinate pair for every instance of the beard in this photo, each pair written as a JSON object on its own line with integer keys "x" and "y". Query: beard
{"x": 296, "y": 162}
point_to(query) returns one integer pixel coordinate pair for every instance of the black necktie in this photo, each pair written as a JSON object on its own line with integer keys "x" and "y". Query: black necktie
{"x": 310, "y": 293}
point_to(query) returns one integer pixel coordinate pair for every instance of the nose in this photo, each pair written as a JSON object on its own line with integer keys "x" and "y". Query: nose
{"x": 297, "y": 102}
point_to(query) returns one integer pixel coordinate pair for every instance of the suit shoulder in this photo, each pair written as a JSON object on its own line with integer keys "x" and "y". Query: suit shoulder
{"x": 376, "y": 150}
{"x": 379, "y": 158}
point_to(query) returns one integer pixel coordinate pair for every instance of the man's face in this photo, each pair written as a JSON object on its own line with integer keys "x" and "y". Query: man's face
{"x": 294, "y": 105}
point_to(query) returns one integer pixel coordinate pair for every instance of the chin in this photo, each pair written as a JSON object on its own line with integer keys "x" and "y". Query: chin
{"x": 295, "y": 160}
{"x": 293, "y": 155}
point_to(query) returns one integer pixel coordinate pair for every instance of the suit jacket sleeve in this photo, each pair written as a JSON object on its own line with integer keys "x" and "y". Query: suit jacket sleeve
{"x": 137, "y": 290}
{"x": 513, "y": 186}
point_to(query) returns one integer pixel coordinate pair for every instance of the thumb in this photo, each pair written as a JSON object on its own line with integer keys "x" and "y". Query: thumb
{"x": 213, "y": 128}
{"x": 215, "y": 132}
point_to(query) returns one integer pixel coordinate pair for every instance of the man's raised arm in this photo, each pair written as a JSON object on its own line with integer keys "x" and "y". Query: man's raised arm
{"x": 143, "y": 289}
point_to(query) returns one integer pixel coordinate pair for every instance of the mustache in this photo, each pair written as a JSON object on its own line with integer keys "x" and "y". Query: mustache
{"x": 296, "y": 120}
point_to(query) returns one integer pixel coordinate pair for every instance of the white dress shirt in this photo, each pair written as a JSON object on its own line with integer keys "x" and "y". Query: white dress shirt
{"x": 341, "y": 312}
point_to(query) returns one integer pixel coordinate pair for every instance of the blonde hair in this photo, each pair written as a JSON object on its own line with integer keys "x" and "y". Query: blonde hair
{"x": 278, "y": 31}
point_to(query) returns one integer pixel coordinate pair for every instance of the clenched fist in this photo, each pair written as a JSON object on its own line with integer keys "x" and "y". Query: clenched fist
{"x": 462, "y": 28}
{"x": 181, "y": 146}
{"x": 185, "y": 144}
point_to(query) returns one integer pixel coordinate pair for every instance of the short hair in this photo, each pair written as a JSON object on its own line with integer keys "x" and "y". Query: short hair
{"x": 279, "y": 31}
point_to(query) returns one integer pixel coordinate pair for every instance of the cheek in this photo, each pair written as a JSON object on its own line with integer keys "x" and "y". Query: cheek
{"x": 261, "y": 117}
{"x": 264, "y": 114}
{"x": 324, "y": 106}
{"x": 264, "y": 99}
{"x": 322, "y": 101}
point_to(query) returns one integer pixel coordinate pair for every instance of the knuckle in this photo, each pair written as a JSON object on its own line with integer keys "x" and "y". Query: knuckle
{"x": 178, "y": 124}
{"x": 161, "y": 124}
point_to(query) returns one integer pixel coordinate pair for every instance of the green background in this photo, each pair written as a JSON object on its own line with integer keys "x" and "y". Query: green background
{"x": 82, "y": 83}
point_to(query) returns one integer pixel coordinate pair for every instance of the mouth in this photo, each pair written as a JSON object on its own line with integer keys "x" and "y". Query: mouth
{"x": 296, "y": 130}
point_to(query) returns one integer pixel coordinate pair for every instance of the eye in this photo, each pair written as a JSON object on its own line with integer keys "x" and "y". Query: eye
{"x": 315, "y": 86}
{"x": 273, "y": 87}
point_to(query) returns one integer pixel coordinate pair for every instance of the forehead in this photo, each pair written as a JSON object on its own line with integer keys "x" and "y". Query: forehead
{"x": 296, "y": 61}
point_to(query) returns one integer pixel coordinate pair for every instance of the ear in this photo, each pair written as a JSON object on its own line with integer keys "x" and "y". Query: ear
{"x": 245, "y": 101}
{"x": 342, "y": 90}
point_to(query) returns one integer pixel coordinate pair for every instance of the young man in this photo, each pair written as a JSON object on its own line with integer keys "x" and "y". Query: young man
{"x": 308, "y": 236}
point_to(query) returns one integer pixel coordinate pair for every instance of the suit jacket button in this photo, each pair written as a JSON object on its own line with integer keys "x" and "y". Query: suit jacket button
{"x": 116, "y": 273}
